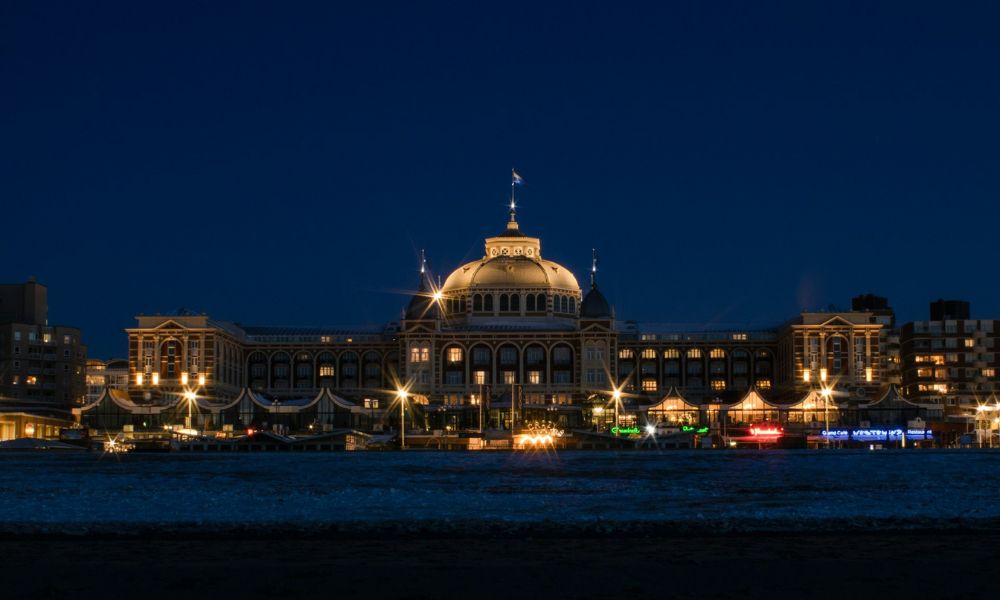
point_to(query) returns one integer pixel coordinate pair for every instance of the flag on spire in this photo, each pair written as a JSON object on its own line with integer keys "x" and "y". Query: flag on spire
{"x": 515, "y": 179}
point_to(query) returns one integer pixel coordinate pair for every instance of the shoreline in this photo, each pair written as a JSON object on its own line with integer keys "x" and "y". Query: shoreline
{"x": 492, "y": 530}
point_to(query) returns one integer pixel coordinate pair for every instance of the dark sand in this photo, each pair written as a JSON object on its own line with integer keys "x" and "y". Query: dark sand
{"x": 909, "y": 564}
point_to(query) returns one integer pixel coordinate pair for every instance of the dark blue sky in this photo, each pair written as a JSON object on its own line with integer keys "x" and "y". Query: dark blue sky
{"x": 283, "y": 165}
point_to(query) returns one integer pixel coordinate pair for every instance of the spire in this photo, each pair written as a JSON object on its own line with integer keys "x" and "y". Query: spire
{"x": 423, "y": 262}
{"x": 593, "y": 268}
{"x": 515, "y": 180}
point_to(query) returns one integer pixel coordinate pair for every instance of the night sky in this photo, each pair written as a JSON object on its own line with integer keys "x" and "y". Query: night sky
{"x": 283, "y": 165}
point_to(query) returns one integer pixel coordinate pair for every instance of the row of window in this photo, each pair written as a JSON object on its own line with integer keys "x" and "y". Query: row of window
{"x": 511, "y": 303}
{"x": 652, "y": 353}
{"x": 716, "y": 385}
{"x": 507, "y": 355}
{"x": 45, "y": 339}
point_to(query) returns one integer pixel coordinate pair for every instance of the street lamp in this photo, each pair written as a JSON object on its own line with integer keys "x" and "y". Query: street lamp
{"x": 826, "y": 392}
{"x": 402, "y": 395}
{"x": 617, "y": 395}
{"x": 190, "y": 396}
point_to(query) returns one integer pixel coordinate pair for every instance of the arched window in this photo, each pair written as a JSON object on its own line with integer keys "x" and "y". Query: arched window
{"x": 540, "y": 303}
{"x": 572, "y": 306}
{"x": 477, "y": 303}
{"x": 488, "y": 303}
{"x": 327, "y": 368}
{"x": 504, "y": 303}
{"x": 515, "y": 303}
{"x": 530, "y": 303}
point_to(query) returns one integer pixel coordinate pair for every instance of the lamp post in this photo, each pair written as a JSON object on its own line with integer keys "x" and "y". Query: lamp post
{"x": 617, "y": 395}
{"x": 190, "y": 396}
{"x": 826, "y": 392}
{"x": 402, "y": 394}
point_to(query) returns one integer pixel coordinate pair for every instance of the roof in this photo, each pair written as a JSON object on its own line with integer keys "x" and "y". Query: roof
{"x": 595, "y": 305}
{"x": 515, "y": 324}
{"x": 511, "y": 271}
{"x": 266, "y": 330}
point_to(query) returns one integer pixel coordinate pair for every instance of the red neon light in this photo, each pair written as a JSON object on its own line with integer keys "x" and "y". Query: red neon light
{"x": 766, "y": 431}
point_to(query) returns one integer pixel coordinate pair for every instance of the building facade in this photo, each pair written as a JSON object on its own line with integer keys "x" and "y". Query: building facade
{"x": 950, "y": 359}
{"x": 509, "y": 339}
{"x": 42, "y": 366}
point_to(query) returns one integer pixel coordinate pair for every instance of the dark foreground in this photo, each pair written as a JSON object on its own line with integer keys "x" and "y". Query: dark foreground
{"x": 923, "y": 564}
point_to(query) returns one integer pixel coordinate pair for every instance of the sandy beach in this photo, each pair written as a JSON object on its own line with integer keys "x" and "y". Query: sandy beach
{"x": 897, "y": 564}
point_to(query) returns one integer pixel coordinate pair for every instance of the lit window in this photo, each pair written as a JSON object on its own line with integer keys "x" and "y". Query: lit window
{"x": 694, "y": 353}
{"x": 970, "y": 343}
{"x": 649, "y": 385}
{"x": 454, "y": 355}
{"x": 479, "y": 377}
{"x": 67, "y": 340}
{"x": 326, "y": 371}
{"x": 740, "y": 337}
{"x": 649, "y": 353}
{"x": 806, "y": 375}
{"x": 420, "y": 354}
{"x": 718, "y": 384}
{"x": 989, "y": 372}
{"x": 508, "y": 377}
{"x": 672, "y": 353}
{"x": 46, "y": 337}
{"x": 534, "y": 377}
{"x": 31, "y": 380}
{"x": 764, "y": 384}
{"x": 625, "y": 353}
{"x": 717, "y": 353}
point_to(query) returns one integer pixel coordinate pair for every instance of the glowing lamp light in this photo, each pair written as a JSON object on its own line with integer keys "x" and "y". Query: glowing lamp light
{"x": 822, "y": 375}
{"x": 156, "y": 379}
{"x": 650, "y": 429}
{"x": 138, "y": 378}
{"x": 868, "y": 374}
{"x": 184, "y": 378}
{"x": 201, "y": 379}
{"x": 806, "y": 375}
{"x": 437, "y": 296}
{"x": 190, "y": 396}
{"x": 29, "y": 429}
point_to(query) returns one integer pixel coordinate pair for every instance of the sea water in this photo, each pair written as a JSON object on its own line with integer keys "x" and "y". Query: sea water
{"x": 738, "y": 488}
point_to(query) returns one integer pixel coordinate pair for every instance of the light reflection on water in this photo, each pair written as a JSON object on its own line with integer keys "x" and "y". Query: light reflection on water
{"x": 485, "y": 486}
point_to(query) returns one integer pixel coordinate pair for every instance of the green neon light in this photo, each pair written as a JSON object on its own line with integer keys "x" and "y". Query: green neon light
{"x": 624, "y": 430}
{"x": 699, "y": 430}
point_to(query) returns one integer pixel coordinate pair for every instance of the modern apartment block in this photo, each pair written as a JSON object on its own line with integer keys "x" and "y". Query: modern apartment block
{"x": 41, "y": 365}
{"x": 950, "y": 359}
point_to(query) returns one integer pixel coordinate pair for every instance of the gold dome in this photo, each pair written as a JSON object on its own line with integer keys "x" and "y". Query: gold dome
{"x": 511, "y": 272}
{"x": 512, "y": 260}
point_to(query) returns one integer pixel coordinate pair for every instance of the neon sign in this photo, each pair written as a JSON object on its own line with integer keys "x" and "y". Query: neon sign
{"x": 689, "y": 428}
{"x": 874, "y": 435}
{"x": 768, "y": 432}
{"x": 624, "y": 431}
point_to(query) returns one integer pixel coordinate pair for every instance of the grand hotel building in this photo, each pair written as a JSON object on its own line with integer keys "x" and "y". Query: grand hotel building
{"x": 509, "y": 328}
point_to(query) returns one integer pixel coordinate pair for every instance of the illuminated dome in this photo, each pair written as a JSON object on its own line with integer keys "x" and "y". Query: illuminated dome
{"x": 512, "y": 265}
